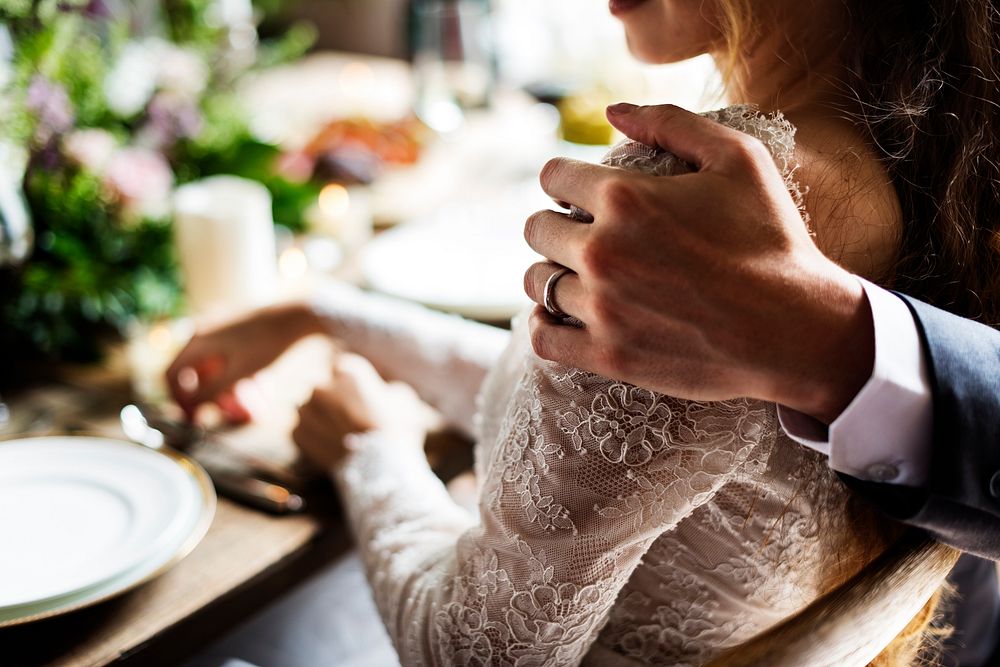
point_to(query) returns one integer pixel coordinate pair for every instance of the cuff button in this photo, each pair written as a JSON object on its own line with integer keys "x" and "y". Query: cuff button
{"x": 995, "y": 485}
{"x": 885, "y": 472}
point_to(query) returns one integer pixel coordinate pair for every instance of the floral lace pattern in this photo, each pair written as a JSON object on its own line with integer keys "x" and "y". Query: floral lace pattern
{"x": 612, "y": 519}
{"x": 689, "y": 599}
{"x": 546, "y": 622}
{"x": 627, "y": 423}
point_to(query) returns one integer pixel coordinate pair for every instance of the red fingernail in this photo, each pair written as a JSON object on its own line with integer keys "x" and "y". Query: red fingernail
{"x": 621, "y": 109}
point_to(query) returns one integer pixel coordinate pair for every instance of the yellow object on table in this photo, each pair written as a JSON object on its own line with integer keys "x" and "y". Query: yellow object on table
{"x": 583, "y": 120}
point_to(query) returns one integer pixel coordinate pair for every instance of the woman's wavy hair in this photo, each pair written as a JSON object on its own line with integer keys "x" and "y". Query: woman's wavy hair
{"x": 926, "y": 86}
{"x": 925, "y": 90}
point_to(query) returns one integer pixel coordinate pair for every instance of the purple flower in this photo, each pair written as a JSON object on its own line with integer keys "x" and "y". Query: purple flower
{"x": 51, "y": 106}
{"x": 46, "y": 157}
{"x": 95, "y": 9}
{"x": 98, "y": 9}
{"x": 169, "y": 118}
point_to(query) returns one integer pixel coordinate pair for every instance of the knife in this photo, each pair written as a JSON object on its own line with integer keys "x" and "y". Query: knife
{"x": 228, "y": 480}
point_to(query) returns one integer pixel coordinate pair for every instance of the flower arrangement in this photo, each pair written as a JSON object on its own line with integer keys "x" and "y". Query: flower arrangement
{"x": 105, "y": 107}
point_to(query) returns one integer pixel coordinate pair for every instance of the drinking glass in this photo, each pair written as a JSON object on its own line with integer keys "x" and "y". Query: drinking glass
{"x": 454, "y": 60}
{"x": 15, "y": 221}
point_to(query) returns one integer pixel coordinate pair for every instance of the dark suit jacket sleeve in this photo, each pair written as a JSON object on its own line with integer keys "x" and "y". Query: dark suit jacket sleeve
{"x": 960, "y": 504}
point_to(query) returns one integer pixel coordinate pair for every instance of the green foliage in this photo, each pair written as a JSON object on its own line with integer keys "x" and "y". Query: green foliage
{"x": 90, "y": 273}
{"x": 297, "y": 40}
{"x": 15, "y": 9}
{"x": 94, "y": 269}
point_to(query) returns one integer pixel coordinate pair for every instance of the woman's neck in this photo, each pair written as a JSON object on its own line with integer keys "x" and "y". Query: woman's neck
{"x": 794, "y": 61}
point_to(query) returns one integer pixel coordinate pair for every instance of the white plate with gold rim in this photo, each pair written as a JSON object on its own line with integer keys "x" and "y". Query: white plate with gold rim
{"x": 84, "y": 518}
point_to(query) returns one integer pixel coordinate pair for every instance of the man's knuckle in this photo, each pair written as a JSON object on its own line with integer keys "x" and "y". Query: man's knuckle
{"x": 605, "y": 255}
{"x": 596, "y": 259}
{"x": 619, "y": 195}
{"x": 749, "y": 152}
{"x": 665, "y": 114}
{"x": 605, "y": 312}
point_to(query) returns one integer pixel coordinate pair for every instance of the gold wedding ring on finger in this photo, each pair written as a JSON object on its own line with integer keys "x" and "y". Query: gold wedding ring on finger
{"x": 549, "y": 298}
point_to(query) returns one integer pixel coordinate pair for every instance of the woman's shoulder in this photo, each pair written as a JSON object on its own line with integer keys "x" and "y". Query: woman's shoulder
{"x": 850, "y": 198}
{"x": 837, "y": 180}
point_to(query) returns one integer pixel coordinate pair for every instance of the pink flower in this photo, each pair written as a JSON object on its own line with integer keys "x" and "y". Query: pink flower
{"x": 142, "y": 181}
{"x": 91, "y": 148}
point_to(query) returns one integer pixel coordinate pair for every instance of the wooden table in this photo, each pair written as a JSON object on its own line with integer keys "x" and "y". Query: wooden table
{"x": 246, "y": 560}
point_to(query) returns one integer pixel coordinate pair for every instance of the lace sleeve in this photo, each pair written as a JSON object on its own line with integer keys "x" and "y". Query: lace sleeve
{"x": 579, "y": 475}
{"x": 443, "y": 357}
{"x": 584, "y": 474}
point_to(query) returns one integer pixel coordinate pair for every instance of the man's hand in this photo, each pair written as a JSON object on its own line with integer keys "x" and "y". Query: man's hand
{"x": 704, "y": 286}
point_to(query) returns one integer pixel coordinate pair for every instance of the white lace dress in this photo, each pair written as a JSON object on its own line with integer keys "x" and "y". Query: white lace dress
{"x": 615, "y": 525}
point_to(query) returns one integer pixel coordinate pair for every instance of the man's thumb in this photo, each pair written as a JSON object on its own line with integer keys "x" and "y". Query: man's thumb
{"x": 690, "y": 137}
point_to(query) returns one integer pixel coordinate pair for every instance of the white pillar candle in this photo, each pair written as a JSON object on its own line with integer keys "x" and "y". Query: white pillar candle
{"x": 225, "y": 240}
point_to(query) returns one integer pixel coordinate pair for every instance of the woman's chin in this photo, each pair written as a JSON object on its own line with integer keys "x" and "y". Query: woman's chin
{"x": 655, "y": 54}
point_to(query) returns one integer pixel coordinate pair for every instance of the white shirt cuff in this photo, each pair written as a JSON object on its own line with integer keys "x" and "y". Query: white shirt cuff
{"x": 885, "y": 434}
